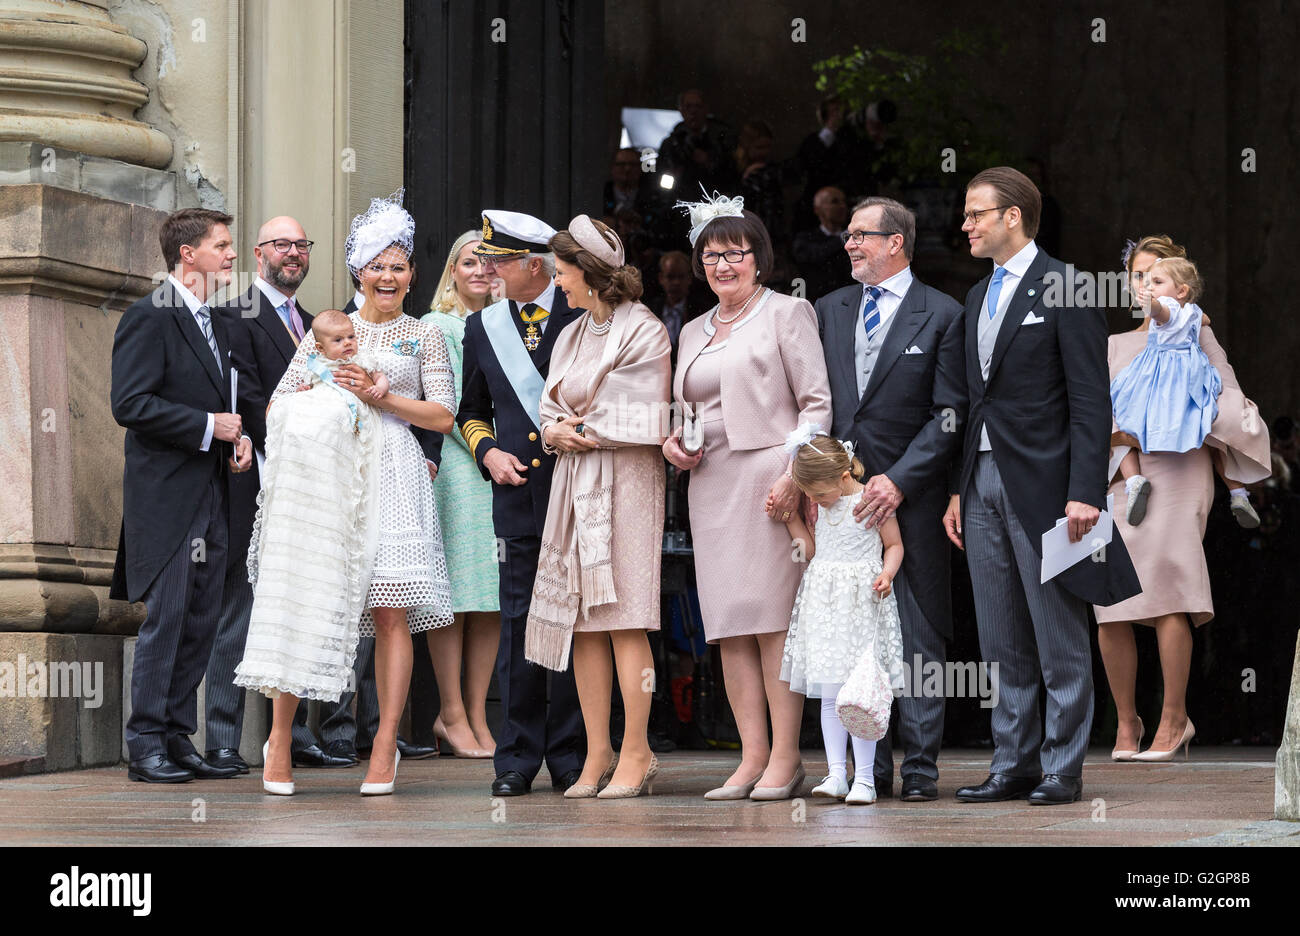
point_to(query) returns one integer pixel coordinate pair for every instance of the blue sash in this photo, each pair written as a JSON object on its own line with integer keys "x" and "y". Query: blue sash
{"x": 513, "y": 358}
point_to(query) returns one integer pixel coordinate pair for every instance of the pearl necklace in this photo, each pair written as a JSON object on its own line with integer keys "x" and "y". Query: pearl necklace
{"x": 603, "y": 327}
{"x": 717, "y": 316}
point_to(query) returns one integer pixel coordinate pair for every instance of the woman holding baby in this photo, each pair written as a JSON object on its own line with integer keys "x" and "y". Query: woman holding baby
{"x": 347, "y": 540}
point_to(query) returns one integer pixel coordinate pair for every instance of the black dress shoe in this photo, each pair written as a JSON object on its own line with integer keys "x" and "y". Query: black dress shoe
{"x": 345, "y": 749}
{"x": 314, "y": 757}
{"x": 565, "y": 780}
{"x": 415, "y": 751}
{"x": 511, "y": 783}
{"x": 226, "y": 757}
{"x": 156, "y": 768}
{"x": 201, "y": 769}
{"x": 1055, "y": 789}
{"x": 918, "y": 789}
{"x": 997, "y": 788}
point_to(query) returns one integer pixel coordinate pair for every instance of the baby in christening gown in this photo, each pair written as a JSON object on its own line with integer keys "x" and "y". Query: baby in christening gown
{"x": 315, "y": 535}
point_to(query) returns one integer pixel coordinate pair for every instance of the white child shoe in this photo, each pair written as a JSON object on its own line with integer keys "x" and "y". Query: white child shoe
{"x": 832, "y": 788}
{"x": 862, "y": 794}
{"x": 1138, "y": 490}
{"x": 1244, "y": 511}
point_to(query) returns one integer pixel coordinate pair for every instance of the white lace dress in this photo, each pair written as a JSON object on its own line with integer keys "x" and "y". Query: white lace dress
{"x": 836, "y": 613}
{"x": 410, "y": 570}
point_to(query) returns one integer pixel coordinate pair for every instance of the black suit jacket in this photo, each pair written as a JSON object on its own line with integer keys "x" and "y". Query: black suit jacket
{"x": 1047, "y": 407}
{"x": 165, "y": 382}
{"x": 486, "y": 396}
{"x": 907, "y": 424}
{"x": 261, "y": 349}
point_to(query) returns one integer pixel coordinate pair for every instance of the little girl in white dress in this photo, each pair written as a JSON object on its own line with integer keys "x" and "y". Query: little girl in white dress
{"x": 844, "y": 605}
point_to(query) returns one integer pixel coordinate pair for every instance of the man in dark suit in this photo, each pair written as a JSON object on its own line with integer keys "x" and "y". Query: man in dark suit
{"x": 265, "y": 326}
{"x": 1037, "y": 443}
{"x": 819, "y": 253}
{"x": 507, "y": 356}
{"x": 894, "y": 354}
{"x": 171, "y": 392}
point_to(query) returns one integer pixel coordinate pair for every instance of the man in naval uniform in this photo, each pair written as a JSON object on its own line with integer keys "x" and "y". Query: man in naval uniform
{"x": 507, "y": 356}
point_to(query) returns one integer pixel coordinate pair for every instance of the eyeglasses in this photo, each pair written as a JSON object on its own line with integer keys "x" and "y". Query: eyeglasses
{"x": 974, "y": 216}
{"x": 711, "y": 257}
{"x": 857, "y": 237}
{"x": 282, "y": 246}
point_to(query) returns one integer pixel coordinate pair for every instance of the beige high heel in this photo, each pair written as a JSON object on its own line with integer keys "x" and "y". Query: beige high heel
{"x": 780, "y": 792}
{"x": 440, "y": 732}
{"x": 1118, "y": 755}
{"x": 1148, "y": 756}
{"x": 589, "y": 790}
{"x": 618, "y": 791}
{"x": 735, "y": 791}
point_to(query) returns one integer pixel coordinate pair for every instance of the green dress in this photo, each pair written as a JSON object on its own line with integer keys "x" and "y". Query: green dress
{"x": 464, "y": 499}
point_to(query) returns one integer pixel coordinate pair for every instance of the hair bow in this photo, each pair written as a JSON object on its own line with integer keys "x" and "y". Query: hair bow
{"x": 803, "y": 435}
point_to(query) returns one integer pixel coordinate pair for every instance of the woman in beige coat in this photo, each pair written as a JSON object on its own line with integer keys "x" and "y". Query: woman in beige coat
{"x": 749, "y": 372}
{"x": 1166, "y": 547}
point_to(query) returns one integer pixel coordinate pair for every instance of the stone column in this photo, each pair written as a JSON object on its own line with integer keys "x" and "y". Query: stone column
{"x": 1286, "y": 786}
{"x": 80, "y": 207}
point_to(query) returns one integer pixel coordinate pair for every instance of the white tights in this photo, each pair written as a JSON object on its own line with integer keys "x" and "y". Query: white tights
{"x": 836, "y": 737}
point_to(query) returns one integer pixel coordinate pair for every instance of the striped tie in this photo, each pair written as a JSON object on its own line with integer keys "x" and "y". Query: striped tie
{"x": 870, "y": 313}
{"x": 204, "y": 317}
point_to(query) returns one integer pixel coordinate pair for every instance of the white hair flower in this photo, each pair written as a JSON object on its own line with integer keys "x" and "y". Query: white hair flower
{"x": 713, "y": 206}
{"x": 803, "y": 435}
{"x": 380, "y": 226}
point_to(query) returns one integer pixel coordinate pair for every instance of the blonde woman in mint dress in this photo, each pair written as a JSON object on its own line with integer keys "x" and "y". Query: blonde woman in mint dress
{"x": 464, "y": 501}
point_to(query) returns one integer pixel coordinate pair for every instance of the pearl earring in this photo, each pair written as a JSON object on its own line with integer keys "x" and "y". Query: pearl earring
{"x": 588, "y": 292}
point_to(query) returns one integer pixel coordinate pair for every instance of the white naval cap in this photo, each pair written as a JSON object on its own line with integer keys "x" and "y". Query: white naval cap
{"x": 512, "y": 233}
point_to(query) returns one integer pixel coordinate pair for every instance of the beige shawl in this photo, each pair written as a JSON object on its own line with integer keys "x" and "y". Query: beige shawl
{"x": 627, "y": 403}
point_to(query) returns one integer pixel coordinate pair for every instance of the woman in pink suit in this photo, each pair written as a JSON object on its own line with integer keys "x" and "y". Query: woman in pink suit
{"x": 1166, "y": 547}
{"x": 748, "y": 373}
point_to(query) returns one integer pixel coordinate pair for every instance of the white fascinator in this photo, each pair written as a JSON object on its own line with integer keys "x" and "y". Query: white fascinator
{"x": 713, "y": 206}
{"x": 802, "y": 435}
{"x": 381, "y": 225}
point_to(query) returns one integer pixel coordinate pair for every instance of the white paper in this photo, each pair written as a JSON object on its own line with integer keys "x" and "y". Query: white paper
{"x": 1059, "y": 553}
{"x": 234, "y": 390}
{"x": 1116, "y": 456}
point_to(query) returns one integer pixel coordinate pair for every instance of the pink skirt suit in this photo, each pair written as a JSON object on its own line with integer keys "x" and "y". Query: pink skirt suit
{"x": 748, "y": 393}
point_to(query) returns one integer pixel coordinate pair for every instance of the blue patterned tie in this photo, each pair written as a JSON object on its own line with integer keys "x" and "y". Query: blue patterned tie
{"x": 995, "y": 290}
{"x": 871, "y": 314}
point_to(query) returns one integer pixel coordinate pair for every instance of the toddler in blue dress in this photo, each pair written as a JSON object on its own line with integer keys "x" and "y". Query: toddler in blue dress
{"x": 1167, "y": 397}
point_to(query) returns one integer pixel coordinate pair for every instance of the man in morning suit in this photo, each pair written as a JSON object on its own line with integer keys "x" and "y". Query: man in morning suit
{"x": 1037, "y": 444}
{"x": 171, "y": 392}
{"x": 265, "y": 326}
{"x": 507, "y": 356}
{"x": 895, "y": 356}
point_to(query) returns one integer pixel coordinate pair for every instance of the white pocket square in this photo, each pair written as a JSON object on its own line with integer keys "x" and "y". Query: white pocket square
{"x": 914, "y": 350}
{"x": 1032, "y": 319}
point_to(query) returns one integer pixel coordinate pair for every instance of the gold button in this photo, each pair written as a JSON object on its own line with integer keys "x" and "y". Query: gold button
{"x": 532, "y": 437}
{"x": 537, "y": 463}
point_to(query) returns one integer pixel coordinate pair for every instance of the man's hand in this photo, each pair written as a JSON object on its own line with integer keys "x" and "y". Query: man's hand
{"x": 880, "y": 499}
{"x": 243, "y": 459}
{"x": 952, "y": 521}
{"x": 504, "y": 467}
{"x": 1082, "y": 518}
{"x": 783, "y": 499}
{"x": 227, "y": 426}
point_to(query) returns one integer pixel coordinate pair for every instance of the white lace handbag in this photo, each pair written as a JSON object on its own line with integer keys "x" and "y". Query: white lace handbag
{"x": 864, "y": 701}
